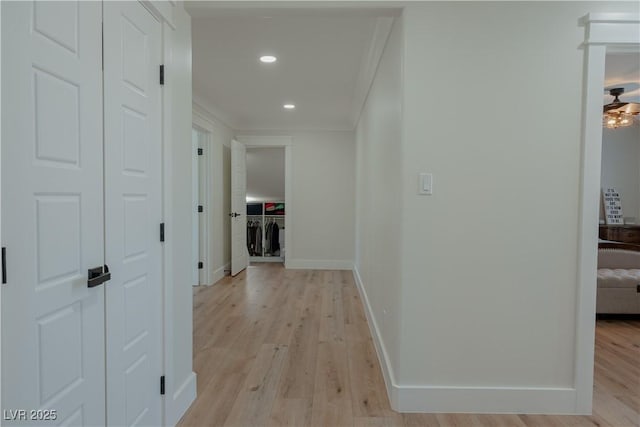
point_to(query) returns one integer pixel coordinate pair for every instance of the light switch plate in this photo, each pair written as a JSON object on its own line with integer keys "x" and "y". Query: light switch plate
{"x": 425, "y": 183}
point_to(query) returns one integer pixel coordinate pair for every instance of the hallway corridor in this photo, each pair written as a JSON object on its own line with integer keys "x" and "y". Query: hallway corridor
{"x": 276, "y": 347}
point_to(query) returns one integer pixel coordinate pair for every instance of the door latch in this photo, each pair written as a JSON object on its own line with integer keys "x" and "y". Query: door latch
{"x": 98, "y": 276}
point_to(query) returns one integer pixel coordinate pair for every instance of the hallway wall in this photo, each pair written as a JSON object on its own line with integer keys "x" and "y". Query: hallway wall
{"x": 323, "y": 196}
{"x": 378, "y": 200}
{"x": 621, "y": 167}
{"x": 489, "y": 261}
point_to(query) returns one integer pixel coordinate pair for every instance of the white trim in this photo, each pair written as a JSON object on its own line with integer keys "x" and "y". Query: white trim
{"x": 486, "y": 400}
{"x": 294, "y": 129}
{"x": 617, "y": 29}
{"x": 204, "y": 120}
{"x": 381, "y": 350}
{"x": 317, "y": 264}
{"x": 206, "y": 110}
{"x": 1, "y": 195}
{"x": 167, "y": 207}
{"x": 219, "y": 273}
{"x": 265, "y": 259}
{"x": 602, "y": 31}
{"x": 265, "y": 141}
{"x": 205, "y": 183}
{"x": 195, "y": 215}
{"x": 369, "y": 66}
{"x": 162, "y": 10}
{"x": 286, "y": 142}
{"x": 184, "y": 396}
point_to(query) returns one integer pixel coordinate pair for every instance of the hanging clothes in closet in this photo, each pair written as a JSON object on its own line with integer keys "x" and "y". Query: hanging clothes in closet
{"x": 254, "y": 238}
{"x": 272, "y": 238}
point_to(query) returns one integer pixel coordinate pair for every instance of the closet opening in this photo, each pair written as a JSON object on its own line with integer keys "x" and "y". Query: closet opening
{"x": 266, "y": 208}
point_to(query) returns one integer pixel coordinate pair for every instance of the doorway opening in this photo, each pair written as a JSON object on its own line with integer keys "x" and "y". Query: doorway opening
{"x": 618, "y": 259}
{"x": 266, "y": 208}
{"x": 605, "y": 34}
{"x": 269, "y": 214}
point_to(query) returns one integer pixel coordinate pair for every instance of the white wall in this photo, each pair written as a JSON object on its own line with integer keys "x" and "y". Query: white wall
{"x": 265, "y": 174}
{"x": 489, "y": 260}
{"x": 323, "y": 198}
{"x": 378, "y": 198}
{"x": 219, "y": 159}
{"x": 621, "y": 167}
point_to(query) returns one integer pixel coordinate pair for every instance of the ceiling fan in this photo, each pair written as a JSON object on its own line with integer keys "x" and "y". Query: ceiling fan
{"x": 617, "y": 113}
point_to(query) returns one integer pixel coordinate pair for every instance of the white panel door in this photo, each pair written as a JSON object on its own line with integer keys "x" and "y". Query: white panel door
{"x": 133, "y": 147}
{"x": 239, "y": 255}
{"x": 52, "y": 211}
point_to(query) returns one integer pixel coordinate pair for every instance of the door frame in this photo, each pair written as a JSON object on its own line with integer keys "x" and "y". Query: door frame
{"x": 202, "y": 168}
{"x": 256, "y": 141}
{"x": 603, "y": 32}
{"x": 213, "y": 164}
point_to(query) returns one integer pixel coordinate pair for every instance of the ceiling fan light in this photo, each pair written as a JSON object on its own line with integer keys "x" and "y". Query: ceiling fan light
{"x": 632, "y": 108}
{"x": 619, "y": 114}
{"x": 617, "y": 119}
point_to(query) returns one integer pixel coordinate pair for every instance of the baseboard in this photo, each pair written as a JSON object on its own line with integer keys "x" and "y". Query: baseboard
{"x": 265, "y": 259}
{"x": 219, "y": 273}
{"x": 383, "y": 358}
{"x": 183, "y": 397}
{"x": 487, "y": 400}
{"x": 318, "y": 264}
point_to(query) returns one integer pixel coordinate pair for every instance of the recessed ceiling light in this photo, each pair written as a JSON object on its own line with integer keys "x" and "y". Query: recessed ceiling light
{"x": 268, "y": 59}
{"x": 289, "y": 106}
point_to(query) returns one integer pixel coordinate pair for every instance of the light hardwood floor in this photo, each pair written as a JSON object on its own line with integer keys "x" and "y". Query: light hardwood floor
{"x": 276, "y": 347}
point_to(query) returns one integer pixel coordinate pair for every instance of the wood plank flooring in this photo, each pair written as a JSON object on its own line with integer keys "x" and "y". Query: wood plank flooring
{"x": 276, "y": 347}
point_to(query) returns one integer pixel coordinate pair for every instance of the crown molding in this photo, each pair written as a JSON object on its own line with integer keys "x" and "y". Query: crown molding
{"x": 206, "y": 109}
{"x": 369, "y": 66}
{"x": 611, "y": 29}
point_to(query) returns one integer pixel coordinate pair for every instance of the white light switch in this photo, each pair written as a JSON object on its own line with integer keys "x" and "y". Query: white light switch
{"x": 425, "y": 183}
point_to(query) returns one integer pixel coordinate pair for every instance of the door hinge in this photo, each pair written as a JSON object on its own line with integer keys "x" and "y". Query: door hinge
{"x": 4, "y": 265}
{"x": 200, "y": 151}
{"x": 200, "y": 265}
{"x": 162, "y": 384}
{"x": 200, "y": 208}
{"x": 162, "y": 74}
{"x": 162, "y": 232}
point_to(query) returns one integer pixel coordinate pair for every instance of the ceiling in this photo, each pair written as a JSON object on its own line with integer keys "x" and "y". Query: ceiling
{"x": 622, "y": 69}
{"x": 265, "y": 174}
{"x": 324, "y": 64}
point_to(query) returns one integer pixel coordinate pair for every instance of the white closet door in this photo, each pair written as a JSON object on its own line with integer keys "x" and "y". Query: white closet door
{"x": 52, "y": 211}
{"x": 239, "y": 254}
{"x": 132, "y": 49}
